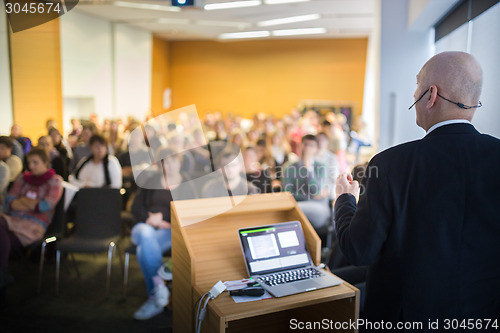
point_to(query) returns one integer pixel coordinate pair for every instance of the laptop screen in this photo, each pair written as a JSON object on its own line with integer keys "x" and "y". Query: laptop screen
{"x": 274, "y": 248}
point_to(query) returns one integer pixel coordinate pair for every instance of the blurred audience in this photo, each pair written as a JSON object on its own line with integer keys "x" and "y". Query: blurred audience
{"x": 230, "y": 166}
{"x": 256, "y": 174}
{"x": 307, "y": 181}
{"x": 330, "y": 160}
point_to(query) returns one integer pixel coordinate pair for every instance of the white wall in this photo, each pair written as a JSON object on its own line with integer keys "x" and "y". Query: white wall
{"x": 5, "y": 91}
{"x": 133, "y": 57}
{"x": 480, "y": 37}
{"x": 485, "y": 47}
{"x": 109, "y": 63}
{"x": 371, "y": 90}
{"x": 403, "y": 53}
{"x": 86, "y": 62}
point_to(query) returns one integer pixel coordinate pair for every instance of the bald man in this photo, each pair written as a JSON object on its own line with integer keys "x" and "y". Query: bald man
{"x": 428, "y": 218}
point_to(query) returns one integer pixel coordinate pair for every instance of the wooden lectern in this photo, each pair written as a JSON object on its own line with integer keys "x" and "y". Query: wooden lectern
{"x": 206, "y": 249}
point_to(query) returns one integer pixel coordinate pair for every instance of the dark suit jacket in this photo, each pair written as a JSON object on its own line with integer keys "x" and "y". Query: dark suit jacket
{"x": 428, "y": 224}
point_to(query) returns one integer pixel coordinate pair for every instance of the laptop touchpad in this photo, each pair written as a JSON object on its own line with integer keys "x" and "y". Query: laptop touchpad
{"x": 305, "y": 285}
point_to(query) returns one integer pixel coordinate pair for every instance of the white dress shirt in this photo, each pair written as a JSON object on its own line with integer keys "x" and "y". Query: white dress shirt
{"x": 448, "y": 122}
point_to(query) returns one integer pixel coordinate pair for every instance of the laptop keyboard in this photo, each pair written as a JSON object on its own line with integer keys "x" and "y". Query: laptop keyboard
{"x": 290, "y": 276}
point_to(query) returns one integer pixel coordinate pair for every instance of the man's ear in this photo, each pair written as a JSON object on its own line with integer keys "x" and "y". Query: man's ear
{"x": 433, "y": 90}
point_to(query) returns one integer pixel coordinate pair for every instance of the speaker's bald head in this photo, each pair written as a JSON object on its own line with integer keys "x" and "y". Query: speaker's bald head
{"x": 456, "y": 74}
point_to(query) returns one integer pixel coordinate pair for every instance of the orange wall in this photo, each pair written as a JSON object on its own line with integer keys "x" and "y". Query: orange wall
{"x": 36, "y": 77}
{"x": 160, "y": 75}
{"x": 269, "y": 76}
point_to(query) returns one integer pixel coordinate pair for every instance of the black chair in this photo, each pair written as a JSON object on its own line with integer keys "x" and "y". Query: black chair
{"x": 54, "y": 232}
{"x": 97, "y": 226}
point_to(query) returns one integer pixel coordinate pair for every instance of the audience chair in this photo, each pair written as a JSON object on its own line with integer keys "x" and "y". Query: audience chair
{"x": 97, "y": 226}
{"x": 54, "y": 232}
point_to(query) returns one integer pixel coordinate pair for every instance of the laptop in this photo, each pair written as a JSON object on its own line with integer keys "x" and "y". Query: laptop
{"x": 277, "y": 258}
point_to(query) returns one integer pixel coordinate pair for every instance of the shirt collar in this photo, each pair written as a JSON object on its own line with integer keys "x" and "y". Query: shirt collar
{"x": 448, "y": 122}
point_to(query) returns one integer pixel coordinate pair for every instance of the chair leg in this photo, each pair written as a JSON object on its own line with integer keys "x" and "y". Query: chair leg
{"x": 111, "y": 250}
{"x": 40, "y": 269}
{"x": 125, "y": 274}
{"x": 74, "y": 264}
{"x": 58, "y": 266}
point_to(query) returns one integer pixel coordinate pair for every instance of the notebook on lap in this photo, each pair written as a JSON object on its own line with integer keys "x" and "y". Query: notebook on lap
{"x": 276, "y": 256}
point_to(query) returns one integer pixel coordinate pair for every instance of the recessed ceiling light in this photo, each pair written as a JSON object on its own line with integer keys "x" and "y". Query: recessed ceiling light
{"x": 210, "y": 23}
{"x": 232, "y": 4}
{"x": 279, "y": 2}
{"x": 173, "y": 21}
{"x": 292, "y": 19}
{"x": 246, "y": 34}
{"x": 146, "y": 6}
{"x": 294, "y": 32}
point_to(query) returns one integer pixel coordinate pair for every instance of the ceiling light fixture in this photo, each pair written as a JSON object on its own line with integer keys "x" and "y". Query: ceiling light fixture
{"x": 233, "y": 4}
{"x": 173, "y": 21}
{"x": 294, "y": 32}
{"x": 285, "y": 20}
{"x": 146, "y": 6}
{"x": 209, "y": 23}
{"x": 246, "y": 34}
{"x": 279, "y": 2}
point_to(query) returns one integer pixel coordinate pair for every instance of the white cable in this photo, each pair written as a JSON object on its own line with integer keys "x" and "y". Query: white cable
{"x": 216, "y": 290}
{"x": 198, "y": 312}
{"x": 202, "y": 313}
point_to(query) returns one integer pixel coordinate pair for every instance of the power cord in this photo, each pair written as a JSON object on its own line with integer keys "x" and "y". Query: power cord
{"x": 216, "y": 290}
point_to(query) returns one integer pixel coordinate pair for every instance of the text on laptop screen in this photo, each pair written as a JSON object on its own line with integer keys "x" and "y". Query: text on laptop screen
{"x": 274, "y": 248}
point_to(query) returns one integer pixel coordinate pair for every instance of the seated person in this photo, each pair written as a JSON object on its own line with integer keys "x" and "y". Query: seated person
{"x": 255, "y": 173}
{"x": 201, "y": 154}
{"x": 30, "y": 206}
{"x": 62, "y": 148}
{"x": 16, "y": 134}
{"x": 152, "y": 234}
{"x": 82, "y": 149}
{"x": 57, "y": 162}
{"x": 307, "y": 181}
{"x": 138, "y": 154}
{"x": 99, "y": 169}
{"x": 14, "y": 163}
{"x": 230, "y": 165}
{"x": 4, "y": 182}
{"x": 330, "y": 160}
{"x": 176, "y": 142}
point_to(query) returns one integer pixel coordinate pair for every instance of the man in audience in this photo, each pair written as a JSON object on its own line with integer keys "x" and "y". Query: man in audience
{"x": 14, "y": 163}
{"x": 16, "y": 134}
{"x": 98, "y": 169}
{"x": 83, "y": 150}
{"x": 307, "y": 181}
{"x": 230, "y": 165}
{"x": 255, "y": 172}
{"x": 428, "y": 220}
